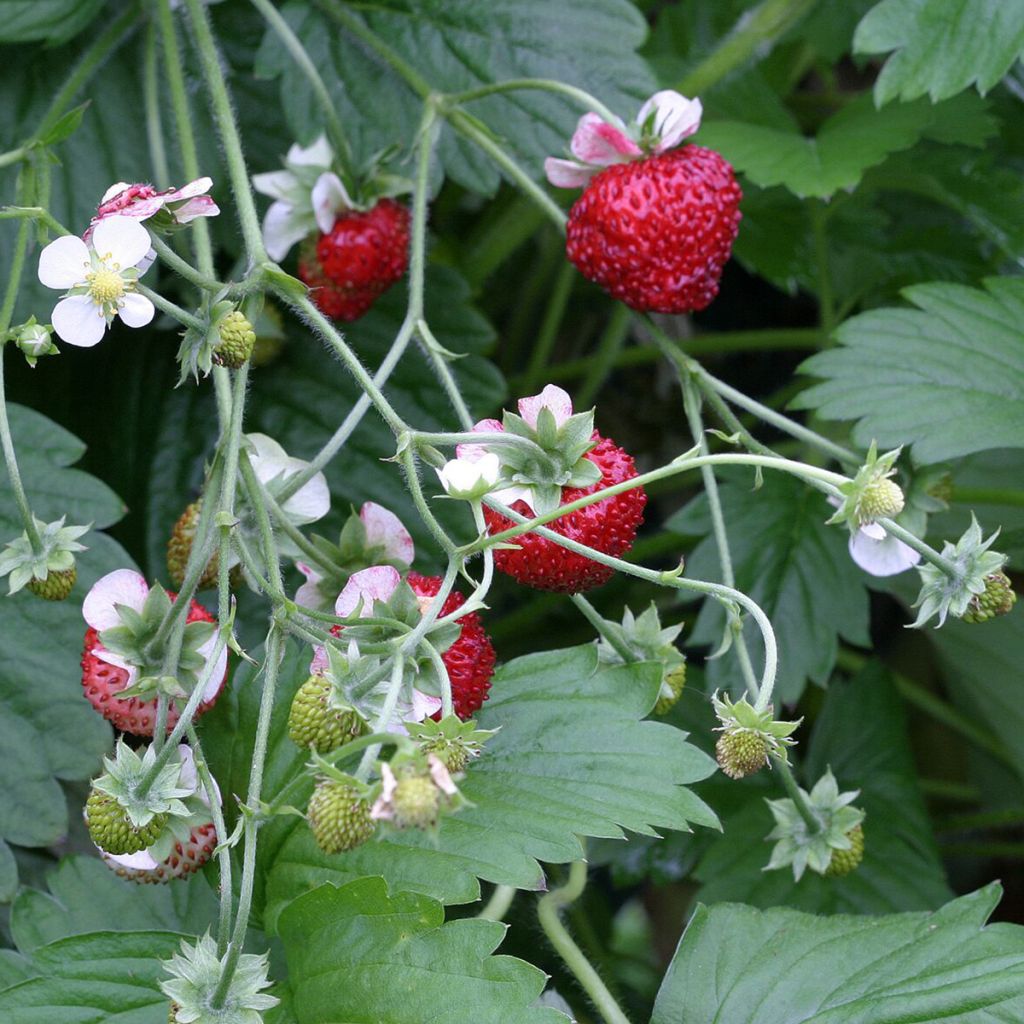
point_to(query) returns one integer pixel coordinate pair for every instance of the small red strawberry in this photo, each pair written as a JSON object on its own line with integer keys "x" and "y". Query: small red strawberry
{"x": 656, "y": 223}
{"x": 102, "y": 682}
{"x": 470, "y": 660}
{"x": 185, "y": 858}
{"x": 354, "y": 263}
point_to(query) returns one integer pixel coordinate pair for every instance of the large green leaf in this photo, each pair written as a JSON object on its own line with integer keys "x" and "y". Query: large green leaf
{"x": 947, "y": 377}
{"x": 847, "y": 144}
{"x": 941, "y": 46}
{"x": 861, "y": 734}
{"x": 55, "y": 21}
{"x": 357, "y": 954}
{"x": 572, "y": 759}
{"x": 94, "y": 979}
{"x": 47, "y": 729}
{"x": 457, "y": 46}
{"x": 791, "y": 563}
{"x": 739, "y": 965}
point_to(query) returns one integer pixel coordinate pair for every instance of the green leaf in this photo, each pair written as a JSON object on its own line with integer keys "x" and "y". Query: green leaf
{"x": 791, "y": 563}
{"x": 455, "y": 47}
{"x": 847, "y": 144}
{"x": 86, "y": 896}
{"x": 47, "y": 729}
{"x": 94, "y": 979}
{"x": 52, "y": 21}
{"x": 8, "y": 873}
{"x": 572, "y": 759}
{"x": 861, "y": 734}
{"x": 941, "y": 47}
{"x": 356, "y": 953}
{"x": 947, "y": 377}
{"x": 742, "y": 965}
{"x": 65, "y": 126}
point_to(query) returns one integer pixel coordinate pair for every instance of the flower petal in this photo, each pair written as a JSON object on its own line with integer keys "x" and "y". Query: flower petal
{"x": 64, "y": 262}
{"x": 439, "y": 773}
{"x": 200, "y": 206}
{"x": 385, "y": 529}
{"x": 218, "y": 679}
{"x": 282, "y": 228}
{"x": 317, "y": 154}
{"x": 276, "y": 184}
{"x": 198, "y": 187}
{"x": 265, "y": 448}
{"x": 567, "y": 173}
{"x": 675, "y": 117}
{"x": 140, "y": 861}
{"x": 78, "y": 321}
{"x": 121, "y": 239}
{"x": 136, "y": 310}
{"x": 885, "y": 557}
{"x": 475, "y": 452}
{"x": 329, "y": 197}
{"x": 122, "y": 586}
{"x": 557, "y": 400}
{"x": 510, "y": 495}
{"x": 595, "y": 141}
{"x": 115, "y": 190}
{"x": 118, "y": 662}
{"x": 377, "y": 583}
{"x": 312, "y": 501}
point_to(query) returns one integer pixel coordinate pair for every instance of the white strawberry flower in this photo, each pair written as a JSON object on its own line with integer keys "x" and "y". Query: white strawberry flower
{"x": 878, "y": 552}
{"x": 129, "y": 589}
{"x": 99, "y": 280}
{"x": 274, "y": 467}
{"x": 661, "y": 124}
{"x": 141, "y": 202}
{"x": 307, "y": 196}
{"x": 470, "y": 479}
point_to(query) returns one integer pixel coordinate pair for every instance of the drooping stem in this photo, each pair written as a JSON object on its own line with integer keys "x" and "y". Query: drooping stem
{"x": 591, "y": 614}
{"x": 803, "y": 807}
{"x": 498, "y": 905}
{"x": 387, "y": 712}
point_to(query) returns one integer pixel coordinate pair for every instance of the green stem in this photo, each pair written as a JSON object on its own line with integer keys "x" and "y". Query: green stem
{"x": 926, "y": 550}
{"x": 754, "y": 34}
{"x": 387, "y": 712}
{"x": 498, "y": 905}
{"x": 224, "y": 117}
{"x": 435, "y": 353}
{"x": 554, "y": 314}
{"x": 803, "y": 807}
{"x": 170, "y": 308}
{"x": 151, "y": 100}
{"x": 583, "y": 98}
{"x": 13, "y": 156}
{"x": 548, "y": 909}
{"x": 408, "y": 460}
{"x": 253, "y": 490}
{"x": 182, "y": 267}
{"x": 591, "y": 614}
{"x": 603, "y": 359}
{"x": 33, "y": 213}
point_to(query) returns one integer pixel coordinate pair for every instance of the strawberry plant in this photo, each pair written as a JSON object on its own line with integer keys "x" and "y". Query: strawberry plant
{"x": 352, "y": 670}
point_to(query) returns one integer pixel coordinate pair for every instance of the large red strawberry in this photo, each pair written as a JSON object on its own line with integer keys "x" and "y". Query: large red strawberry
{"x": 184, "y": 859}
{"x": 470, "y": 660}
{"x": 353, "y": 264}
{"x": 102, "y": 682}
{"x": 655, "y": 224}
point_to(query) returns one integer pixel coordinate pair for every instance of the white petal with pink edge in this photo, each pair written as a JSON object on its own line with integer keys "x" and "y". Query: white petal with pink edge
{"x": 557, "y": 400}
{"x": 377, "y": 583}
{"x": 194, "y": 188}
{"x": 200, "y": 206}
{"x": 385, "y": 529}
{"x": 120, "y": 240}
{"x": 439, "y": 773}
{"x": 595, "y": 141}
{"x": 64, "y": 262}
{"x": 78, "y": 321}
{"x": 475, "y": 452}
{"x": 308, "y": 595}
{"x": 122, "y": 586}
{"x": 99, "y": 651}
{"x": 136, "y": 310}
{"x": 675, "y": 117}
{"x": 567, "y": 173}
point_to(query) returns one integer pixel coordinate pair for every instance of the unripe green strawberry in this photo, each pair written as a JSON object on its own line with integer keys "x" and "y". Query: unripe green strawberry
{"x": 741, "y": 752}
{"x": 111, "y": 828}
{"x": 998, "y": 598}
{"x": 672, "y": 685}
{"x": 179, "y": 547}
{"x": 453, "y": 755}
{"x": 845, "y": 861}
{"x": 882, "y": 499}
{"x": 236, "y": 340}
{"x": 312, "y": 722}
{"x": 56, "y": 586}
{"x": 416, "y": 801}
{"x": 339, "y": 816}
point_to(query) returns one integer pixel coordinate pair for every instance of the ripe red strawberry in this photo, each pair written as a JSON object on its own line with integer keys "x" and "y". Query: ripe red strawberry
{"x": 184, "y": 859}
{"x": 608, "y": 526}
{"x": 102, "y": 682}
{"x": 470, "y": 660}
{"x": 362, "y": 256}
{"x": 656, "y": 233}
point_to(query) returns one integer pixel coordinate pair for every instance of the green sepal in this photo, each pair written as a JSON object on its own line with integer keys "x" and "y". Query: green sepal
{"x": 58, "y": 542}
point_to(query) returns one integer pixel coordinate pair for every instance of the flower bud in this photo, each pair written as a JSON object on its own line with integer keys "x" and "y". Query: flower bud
{"x": 468, "y": 479}
{"x": 34, "y": 340}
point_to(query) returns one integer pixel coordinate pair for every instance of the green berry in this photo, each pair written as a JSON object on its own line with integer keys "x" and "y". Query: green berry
{"x": 179, "y": 547}
{"x": 452, "y": 753}
{"x": 312, "y": 722}
{"x": 339, "y": 816}
{"x": 997, "y": 599}
{"x": 672, "y": 684}
{"x": 236, "y": 340}
{"x": 416, "y": 801}
{"x": 845, "y": 861}
{"x": 882, "y": 498}
{"x": 56, "y": 586}
{"x": 111, "y": 828}
{"x": 741, "y": 752}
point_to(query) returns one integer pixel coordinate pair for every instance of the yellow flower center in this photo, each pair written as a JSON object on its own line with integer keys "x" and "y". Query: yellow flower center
{"x": 105, "y": 286}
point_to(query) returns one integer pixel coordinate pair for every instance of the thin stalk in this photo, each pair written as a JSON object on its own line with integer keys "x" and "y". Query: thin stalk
{"x": 182, "y": 267}
{"x": 387, "y": 712}
{"x": 151, "y": 100}
{"x": 498, "y": 905}
{"x": 36, "y": 213}
{"x": 591, "y": 614}
{"x": 170, "y": 308}
{"x": 554, "y": 314}
{"x": 804, "y": 809}
{"x": 603, "y": 359}
{"x": 13, "y": 156}
{"x": 408, "y": 461}
{"x": 548, "y": 909}
{"x": 435, "y": 354}
{"x": 270, "y": 555}
{"x": 583, "y": 98}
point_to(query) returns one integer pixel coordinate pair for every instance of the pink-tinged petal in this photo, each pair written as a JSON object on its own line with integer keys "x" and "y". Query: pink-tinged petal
{"x": 78, "y": 321}
{"x": 676, "y": 117}
{"x": 276, "y": 184}
{"x": 140, "y": 861}
{"x": 567, "y": 173}
{"x": 216, "y": 680}
{"x": 308, "y": 595}
{"x": 201, "y": 206}
{"x": 475, "y": 452}
{"x": 374, "y": 584}
{"x": 136, "y": 310}
{"x": 122, "y": 586}
{"x": 385, "y": 529}
{"x": 595, "y": 141}
{"x": 382, "y": 809}
{"x": 317, "y": 154}
{"x": 423, "y": 706}
{"x": 120, "y": 240}
{"x": 117, "y": 661}
{"x": 64, "y": 262}
{"x": 198, "y": 187}
{"x": 887, "y": 556}
{"x": 114, "y": 191}
{"x": 140, "y": 209}
{"x": 329, "y": 198}
{"x": 557, "y": 400}
{"x": 282, "y": 229}
{"x": 439, "y": 773}
{"x": 320, "y": 661}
